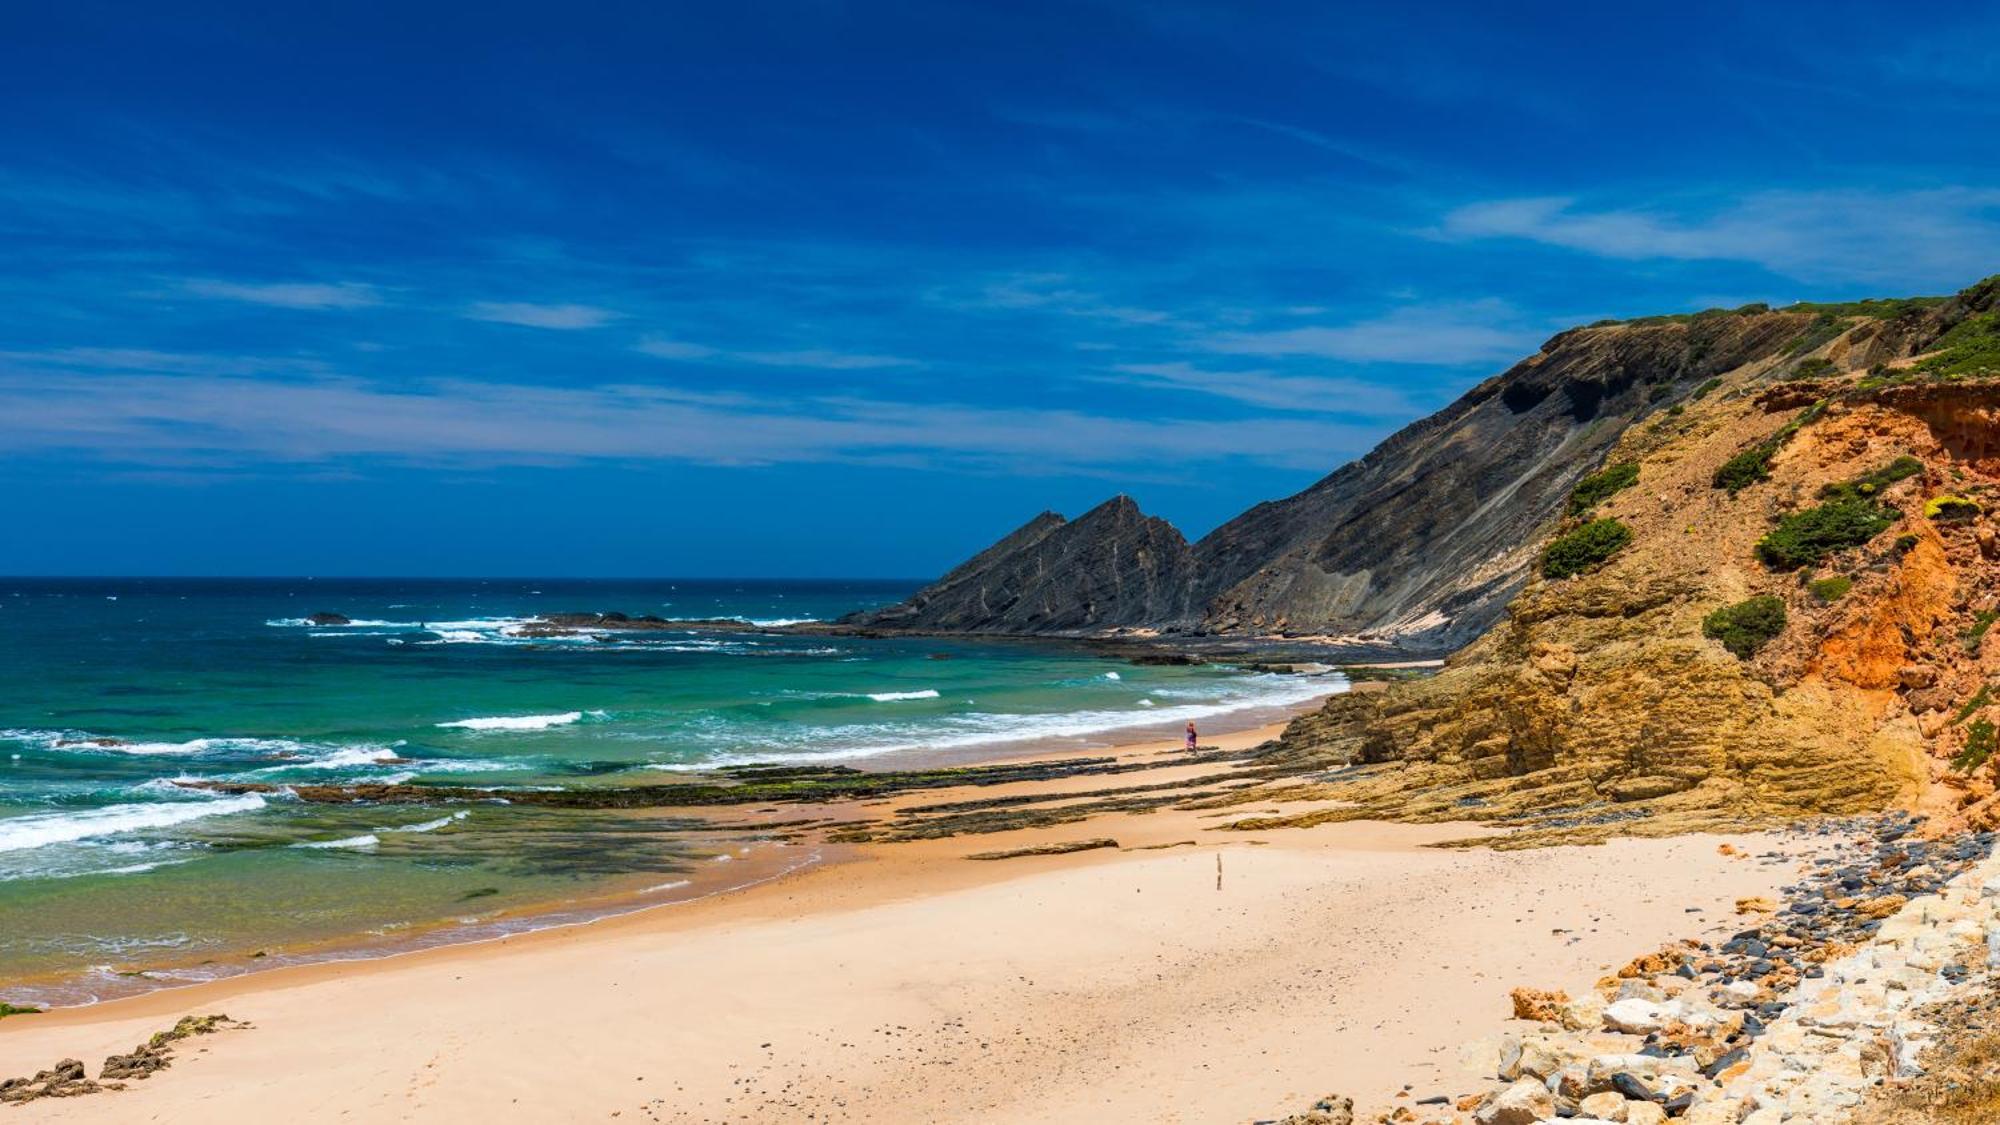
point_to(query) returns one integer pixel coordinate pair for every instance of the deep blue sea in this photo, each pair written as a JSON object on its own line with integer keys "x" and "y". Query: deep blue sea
{"x": 112, "y": 690}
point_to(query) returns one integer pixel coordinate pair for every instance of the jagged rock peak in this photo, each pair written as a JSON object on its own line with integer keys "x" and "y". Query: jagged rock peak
{"x": 1113, "y": 566}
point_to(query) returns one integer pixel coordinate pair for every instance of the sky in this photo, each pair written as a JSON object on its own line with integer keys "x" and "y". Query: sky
{"x": 850, "y": 289}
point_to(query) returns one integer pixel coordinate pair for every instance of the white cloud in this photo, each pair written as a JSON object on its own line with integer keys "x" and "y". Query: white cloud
{"x": 288, "y": 294}
{"x": 560, "y": 317}
{"x": 1444, "y": 334}
{"x": 1275, "y": 391}
{"x": 180, "y": 419}
{"x": 662, "y": 348}
{"x": 821, "y": 358}
{"x": 1942, "y": 237}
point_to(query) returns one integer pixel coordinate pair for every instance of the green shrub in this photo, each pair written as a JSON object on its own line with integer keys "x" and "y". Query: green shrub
{"x": 1982, "y": 622}
{"x": 1818, "y": 367}
{"x": 1745, "y": 469}
{"x": 1870, "y": 483}
{"x": 1599, "y": 486}
{"x": 1585, "y": 548}
{"x": 1949, "y": 508}
{"x": 1747, "y": 626}
{"x": 7, "y": 1009}
{"x": 1804, "y": 538}
{"x": 1823, "y": 328}
{"x": 1972, "y": 705}
{"x": 1831, "y": 590}
{"x": 1978, "y": 747}
{"x": 1705, "y": 389}
{"x": 1754, "y": 463}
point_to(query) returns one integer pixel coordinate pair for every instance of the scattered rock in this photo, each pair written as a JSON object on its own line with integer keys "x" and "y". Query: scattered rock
{"x": 1539, "y": 1005}
{"x": 1063, "y": 848}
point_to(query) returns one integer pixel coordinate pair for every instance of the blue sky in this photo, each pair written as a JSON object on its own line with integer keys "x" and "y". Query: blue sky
{"x": 850, "y": 289}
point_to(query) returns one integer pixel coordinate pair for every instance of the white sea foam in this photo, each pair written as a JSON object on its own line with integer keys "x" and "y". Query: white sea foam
{"x": 515, "y": 722}
{"x": 899, "y": 696}
{"x": 350, "y": 756}
{"x": 962, "y": 731}
{"x": 83, "y": 742}
{"x": 1113, "y": 676}
{"x": 428, "y": 825}
{"x": 367, "y": 841}
{"x": 42, "y": 829}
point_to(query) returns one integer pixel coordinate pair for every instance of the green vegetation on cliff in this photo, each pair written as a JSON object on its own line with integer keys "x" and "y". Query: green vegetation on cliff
{"x": 1804, "y": 538}
{"x": 1600, "y": 486}
{"x": 1831, "y": 590}
{"x": 1868, "y": 484}
{"x": 1948, "y": 508}
{"x": 1584, "y": 549}
{"x": 1747, "y": 626}
{"x": 1754, "y": 464}
{"x": 1979, "y": 739}
{"x": 1972, "y": 347}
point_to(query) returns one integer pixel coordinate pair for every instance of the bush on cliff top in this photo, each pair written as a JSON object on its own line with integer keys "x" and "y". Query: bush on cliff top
{"x": 1599, "y": 486}
{"x": 1584, "y": 549}
{"x": 1804, "y": 538}
{"x": 1747, "y": 626}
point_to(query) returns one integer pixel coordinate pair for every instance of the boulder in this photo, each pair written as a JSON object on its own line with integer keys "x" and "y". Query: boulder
{"x": 1635, "y": 1016}
{"x": 1526, "y": 1102}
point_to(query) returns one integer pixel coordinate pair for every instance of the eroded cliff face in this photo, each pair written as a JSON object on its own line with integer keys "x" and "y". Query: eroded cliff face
{"x": 1598, "y": 705}
{"x": 1424, "y": 540}
{"x": 1419, "y": 544}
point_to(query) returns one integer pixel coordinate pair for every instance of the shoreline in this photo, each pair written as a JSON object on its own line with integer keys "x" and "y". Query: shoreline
{"x": 368, "y": 947}
{"x": 1185, "y": 974}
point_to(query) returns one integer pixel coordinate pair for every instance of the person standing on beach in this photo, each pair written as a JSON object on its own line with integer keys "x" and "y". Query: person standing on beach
{"x": 1191, "y": 737}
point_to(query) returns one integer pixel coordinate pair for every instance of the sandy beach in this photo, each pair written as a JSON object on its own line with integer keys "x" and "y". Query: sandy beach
{"x": 1233, "y": 978}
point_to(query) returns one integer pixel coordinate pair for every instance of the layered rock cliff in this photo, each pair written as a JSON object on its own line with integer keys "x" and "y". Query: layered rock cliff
{"x": 1112, "y": 567}
{"x": 1420, "y": 543}
{"x": 1798, "y": 618}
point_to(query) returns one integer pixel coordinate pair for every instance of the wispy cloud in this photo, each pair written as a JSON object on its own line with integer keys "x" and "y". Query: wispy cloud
{"x": 214, "y": 420}
{"x": 1272, "y": 390}
{"x": 820, "y": 358}
{"x": 1943, "y": 236}
{"x": 528, "y": 315}
{"x": 1445, "y": 334}
{"x": 286, "y": 294}
{"x": 149, "y": 360}
{"x": 1059, "y": 293}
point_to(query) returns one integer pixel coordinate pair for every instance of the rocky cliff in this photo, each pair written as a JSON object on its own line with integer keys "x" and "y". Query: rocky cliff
{"x": 1420, "y": 543}
{"x": 1112, "y": 567}
{"x": 1788, "y": 610}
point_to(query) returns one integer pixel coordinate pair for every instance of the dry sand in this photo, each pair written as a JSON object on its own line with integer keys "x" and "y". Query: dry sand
{"x": 913, "y": 985}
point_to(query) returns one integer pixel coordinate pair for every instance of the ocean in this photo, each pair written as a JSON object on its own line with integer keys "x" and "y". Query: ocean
{"x": 114, "y": 878}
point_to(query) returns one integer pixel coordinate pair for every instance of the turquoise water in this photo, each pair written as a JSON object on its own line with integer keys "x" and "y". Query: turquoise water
{"x": 113, "y": 690}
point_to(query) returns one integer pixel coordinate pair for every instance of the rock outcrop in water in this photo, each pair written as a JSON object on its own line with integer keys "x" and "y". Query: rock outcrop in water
{"x": 1420, "y": 543}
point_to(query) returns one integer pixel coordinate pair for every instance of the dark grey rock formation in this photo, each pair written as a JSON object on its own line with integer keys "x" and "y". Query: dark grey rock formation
{"x": 1113, "y": 566}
